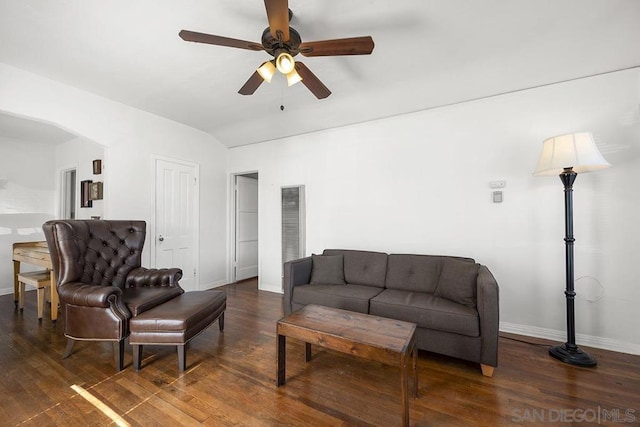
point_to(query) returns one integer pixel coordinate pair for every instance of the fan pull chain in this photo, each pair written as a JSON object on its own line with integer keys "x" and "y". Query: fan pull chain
{"x": 281, "y": 100}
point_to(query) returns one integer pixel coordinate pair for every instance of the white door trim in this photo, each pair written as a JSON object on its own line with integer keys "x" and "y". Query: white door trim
{"x": 152, "y": 226}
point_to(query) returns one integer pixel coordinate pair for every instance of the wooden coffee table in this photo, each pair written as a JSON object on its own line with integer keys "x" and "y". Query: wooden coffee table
{"x": 374, "y": 338}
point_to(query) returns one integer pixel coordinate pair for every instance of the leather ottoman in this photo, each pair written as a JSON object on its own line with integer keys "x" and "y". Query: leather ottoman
{"x": 176, "y": 322}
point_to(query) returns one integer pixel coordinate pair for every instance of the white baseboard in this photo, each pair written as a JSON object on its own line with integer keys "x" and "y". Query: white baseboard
{"x": 561, "y": 336}
{"x": 211, "y": 285}
{"x": 271, "y": 288}
{"x": 6, "y": 291}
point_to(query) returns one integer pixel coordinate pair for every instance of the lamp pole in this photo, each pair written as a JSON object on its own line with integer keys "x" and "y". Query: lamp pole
{"x": 569, "y": 352}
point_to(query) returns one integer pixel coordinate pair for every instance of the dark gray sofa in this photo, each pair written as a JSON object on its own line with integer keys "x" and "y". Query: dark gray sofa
{"x": 453, "y": 300}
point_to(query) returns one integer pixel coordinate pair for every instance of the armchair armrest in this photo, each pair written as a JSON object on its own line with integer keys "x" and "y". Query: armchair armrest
{"x": 296, "y": 272}
{"x": 77, "y": 293}
{"x": 489, "y": 313}
{"x": 153, "y": 277}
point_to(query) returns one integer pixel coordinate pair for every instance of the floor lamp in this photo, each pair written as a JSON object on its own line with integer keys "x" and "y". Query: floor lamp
{"x": 568, "y": 155}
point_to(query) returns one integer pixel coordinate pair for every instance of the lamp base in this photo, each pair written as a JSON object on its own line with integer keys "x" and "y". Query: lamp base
{"x": 572, "y": 355}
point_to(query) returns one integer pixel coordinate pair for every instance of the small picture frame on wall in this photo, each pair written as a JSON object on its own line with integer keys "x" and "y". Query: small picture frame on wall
{"x": 97, "y": 167}
{"x": 95, "y": 191}
{"x": 85, "y": 201}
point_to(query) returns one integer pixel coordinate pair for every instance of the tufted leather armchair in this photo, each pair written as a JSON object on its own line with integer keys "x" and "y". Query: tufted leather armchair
{"x": 99, "y": 279}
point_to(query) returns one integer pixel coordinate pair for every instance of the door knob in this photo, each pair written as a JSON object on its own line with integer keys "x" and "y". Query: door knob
{"x": 161, "y": 238}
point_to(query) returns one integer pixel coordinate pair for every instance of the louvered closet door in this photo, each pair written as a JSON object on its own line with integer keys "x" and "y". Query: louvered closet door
{"x": 293, "y": 223}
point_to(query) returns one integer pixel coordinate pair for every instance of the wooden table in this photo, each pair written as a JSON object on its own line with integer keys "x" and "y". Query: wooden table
{"x": 383, "y": 340}
{"x": 34, "y": 253}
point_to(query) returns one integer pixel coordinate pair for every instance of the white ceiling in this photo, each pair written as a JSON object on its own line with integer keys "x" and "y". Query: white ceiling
{"x": 428, "y": 53}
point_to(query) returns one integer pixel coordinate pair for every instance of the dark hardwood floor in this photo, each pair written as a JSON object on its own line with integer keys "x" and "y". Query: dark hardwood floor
{"x": 230, "y": 380}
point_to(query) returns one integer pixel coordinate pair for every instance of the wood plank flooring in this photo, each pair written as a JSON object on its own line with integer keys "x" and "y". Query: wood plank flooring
{"x": 230, "y": 380}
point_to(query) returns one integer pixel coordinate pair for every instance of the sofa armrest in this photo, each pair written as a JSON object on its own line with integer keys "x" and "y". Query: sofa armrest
{"x": 489, "y": 313}
{"x": 147, "y": 277}
{"x": 296, "y": 272}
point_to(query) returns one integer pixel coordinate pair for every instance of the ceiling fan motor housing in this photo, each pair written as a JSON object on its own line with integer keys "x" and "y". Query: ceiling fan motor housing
{"x": 274, "y": 46}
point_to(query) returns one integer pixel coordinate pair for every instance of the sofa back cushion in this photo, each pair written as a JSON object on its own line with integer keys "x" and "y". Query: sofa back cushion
{"x": 362, "y": 267}
{"x": 414, "y": 273}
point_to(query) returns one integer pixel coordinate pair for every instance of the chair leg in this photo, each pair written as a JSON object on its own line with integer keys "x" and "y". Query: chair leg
{"x": 67, "y": 351}
{"x": 137, "y": 356}
{"x": 21, "y": 296}
{"x": 40, "y": 302}
{"x": 182, "y": 357}
{"x": 118, "y": 350}
{"x": 221, "y": 322}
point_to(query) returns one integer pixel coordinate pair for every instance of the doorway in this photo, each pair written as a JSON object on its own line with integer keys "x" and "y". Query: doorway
{"x": 176, "y": 219}
{"x": 68, "y": 194}
{"x": 244, "y": 242}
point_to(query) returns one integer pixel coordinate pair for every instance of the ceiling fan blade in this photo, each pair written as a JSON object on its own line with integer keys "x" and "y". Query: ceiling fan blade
{"x": 192, "y": 36}
{"x": 278, "y": 15}
{"x": 251, "y": 85}
{"x": 312, "y": 82}
{"x": 350, "y": 46}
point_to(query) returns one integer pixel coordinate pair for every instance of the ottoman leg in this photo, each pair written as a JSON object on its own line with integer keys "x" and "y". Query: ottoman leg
{"x": 221, "y": 322}
{"x": 137, "y": 356}
{"x": 118, "y": 349}
{"x": 182, "y": 357}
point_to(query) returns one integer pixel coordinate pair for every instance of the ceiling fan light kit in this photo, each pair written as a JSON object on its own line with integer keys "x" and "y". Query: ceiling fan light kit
{"x": 293, "y": 77}
{"x": 267, "y": 70}
{"x": 285, "y": 63}
{"x": 283, "y": 43}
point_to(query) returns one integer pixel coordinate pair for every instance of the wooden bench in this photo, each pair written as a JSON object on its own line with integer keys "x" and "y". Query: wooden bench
{"x": 176, "y": 322}
{"x": 41, "y": 280}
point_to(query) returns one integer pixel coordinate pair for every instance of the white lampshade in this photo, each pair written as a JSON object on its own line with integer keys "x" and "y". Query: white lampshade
{"x": 266, "y": 71}
{"x": 576, "y": 150}
{"x": 293, "y": 77}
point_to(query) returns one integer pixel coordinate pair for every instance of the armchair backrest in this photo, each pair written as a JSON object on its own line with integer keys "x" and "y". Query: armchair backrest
{"x": 96, "y": 252}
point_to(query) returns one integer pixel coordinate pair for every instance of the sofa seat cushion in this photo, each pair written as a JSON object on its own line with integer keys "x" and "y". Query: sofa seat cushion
{"x": 139, "y": 300}
{"x": 346, "y": 297}
{"x": 427, "y": 311}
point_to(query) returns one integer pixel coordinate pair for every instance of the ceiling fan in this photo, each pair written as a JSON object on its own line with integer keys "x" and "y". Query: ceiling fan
{"x": 283, "y": 43}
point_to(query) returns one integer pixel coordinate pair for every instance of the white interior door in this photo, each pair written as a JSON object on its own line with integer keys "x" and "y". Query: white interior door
{"x": 246, "y": 260}
{"x": 176, "y": 225}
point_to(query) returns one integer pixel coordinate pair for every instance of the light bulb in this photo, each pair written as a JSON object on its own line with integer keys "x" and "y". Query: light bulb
{"x": 285, "y": 63}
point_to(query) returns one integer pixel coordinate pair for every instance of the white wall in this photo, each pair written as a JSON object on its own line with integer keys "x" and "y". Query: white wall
{"x": 132, "y": 138}
{"x": 27, "y": 199}
{"x": 418, "y": 183}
